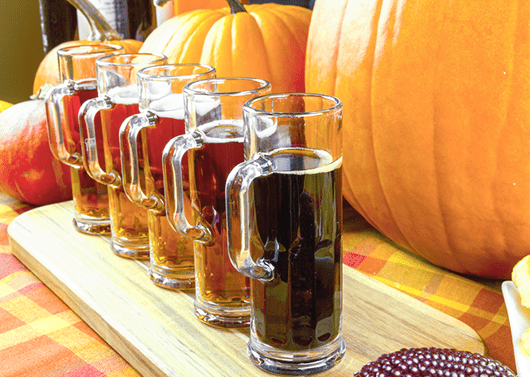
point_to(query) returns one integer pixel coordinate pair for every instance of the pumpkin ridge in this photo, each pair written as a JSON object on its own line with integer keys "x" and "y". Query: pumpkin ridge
{"x": 442, "y": 258}
{"x": 155, "y": 39}
{"x": 397, "y": 235}
{"x": 190, "y": 26}
{"x": 292, "y": 11}
{"x": 483, "y": 247}
{"x": 198, "y": 35}
{"x": 302, "y": 15}
{"x": 336, "y": 89}
{"x": 392, "y": 28}
{"x": 215, "y": 43}
{"x": 248, "y": 39}
{"x": 265, "y": 18}
{"x": 514, "y": 89}
{"x": 233, "y": 45}
{"x": 437, "y": 80}
{"x": 332, "y": 73}
{"x": 280, "y": 14}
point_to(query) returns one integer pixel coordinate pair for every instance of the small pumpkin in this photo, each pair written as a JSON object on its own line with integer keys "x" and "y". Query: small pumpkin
{"x": 28, "y": 170}
{"x": 48, "y": 70}
{"x": 266, "y": 41}
{"x": 436, "y": 123}
{"x": 99, "y": 32}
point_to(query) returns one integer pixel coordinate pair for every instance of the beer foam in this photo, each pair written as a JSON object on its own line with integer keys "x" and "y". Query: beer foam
{"x": 170, "y": 106}
{"x": 124, "y": 95}
{"x": 303, "y": 161}
{"x": 158, "y": 89}
{"x": 203, "y": 105}
{"x": 223, "y": 131}
{"x": 267, "y": 127}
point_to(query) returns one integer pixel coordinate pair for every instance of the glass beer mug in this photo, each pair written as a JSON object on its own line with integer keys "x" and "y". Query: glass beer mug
{"x": 142, "y": 139}
{"x": 284, "y": 226}
{"x": 117, "y": 100}
{"x": 214, "y": 139}
{"x": 77, "y": 71}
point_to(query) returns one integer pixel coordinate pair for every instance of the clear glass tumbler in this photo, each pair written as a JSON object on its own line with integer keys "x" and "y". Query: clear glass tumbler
{"x": 214, "y": 142}
{"x": 284, "y": 226}
{"x": 118, "y": 98}
{"x": 142, "y": 140}
{"x": 77, "y": 70}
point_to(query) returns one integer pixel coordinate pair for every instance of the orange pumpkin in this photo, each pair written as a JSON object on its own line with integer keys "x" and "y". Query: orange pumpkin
{"x": 436, "y": 123}
{"x": 28, "y": 170}
{"x": 48, "y": 70}
{"x": 100, "y": 31}
{"x": 265, "y": 41}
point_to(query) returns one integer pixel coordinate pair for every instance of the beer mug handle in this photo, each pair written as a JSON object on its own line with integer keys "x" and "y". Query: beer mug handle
{"x": 130, "y": 165}
{"x": 59, "y": 139}
{"x": 174, "y": 187}
{"x": 87, "y": 128}
{"x": 238, "y": 213}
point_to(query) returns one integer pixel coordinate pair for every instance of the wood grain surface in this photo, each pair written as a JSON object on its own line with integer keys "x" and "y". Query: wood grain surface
{"x": 155, "y": 329}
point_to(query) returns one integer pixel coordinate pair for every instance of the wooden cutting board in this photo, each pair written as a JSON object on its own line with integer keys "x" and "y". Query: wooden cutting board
{"x": 156, "y": 332}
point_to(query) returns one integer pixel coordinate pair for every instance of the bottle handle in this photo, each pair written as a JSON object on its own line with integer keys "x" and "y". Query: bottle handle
{"x": 87, "y": 128}
{"x": 131, "y": 177}
{"x": 100, "y": 29}
{"x": 174, "y": 187}
{"x": 238, "y": 213}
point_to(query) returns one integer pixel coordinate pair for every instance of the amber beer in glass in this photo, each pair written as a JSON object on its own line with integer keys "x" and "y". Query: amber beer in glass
{"x": 117, "y": 100}
{"x": 284, "y": 221}
{"x": 142, "y": 139}
{"x": 77, "y": 71}
{"x": 214, "y": 145}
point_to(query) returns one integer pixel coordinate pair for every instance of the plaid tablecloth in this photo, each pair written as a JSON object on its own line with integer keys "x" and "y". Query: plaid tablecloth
{"x": 41, "y": 336}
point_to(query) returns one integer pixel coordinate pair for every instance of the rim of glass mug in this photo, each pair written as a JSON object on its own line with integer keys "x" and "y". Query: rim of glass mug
{"x": 82, "y": 49}
{"x": 147, "y": 72}
{"x": 334, "y": 101}
{"x": 190, "y": 87}
{"x": 117, "y": 60}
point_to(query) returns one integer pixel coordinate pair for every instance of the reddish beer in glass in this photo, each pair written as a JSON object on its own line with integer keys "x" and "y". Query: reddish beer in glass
{"x": 77, "y": 70}
{"x": 142, "y": 140}
{"x": 214, "y": 139}
{"x": 117, "y": 100}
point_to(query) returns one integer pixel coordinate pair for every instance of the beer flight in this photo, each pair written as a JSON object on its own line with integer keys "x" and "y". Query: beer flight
{"x": 224, "y": 186}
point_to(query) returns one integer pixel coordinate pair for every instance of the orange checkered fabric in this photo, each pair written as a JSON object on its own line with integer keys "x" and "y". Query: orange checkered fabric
{"x": 479, "y": 303}
{"x": 41, "y": 336}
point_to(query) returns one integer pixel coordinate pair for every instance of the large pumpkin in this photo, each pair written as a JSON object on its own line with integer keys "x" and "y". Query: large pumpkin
{"x": 436, "y": 122}
{"x": 266, "y": 41}
{"x": 28, "y": 170}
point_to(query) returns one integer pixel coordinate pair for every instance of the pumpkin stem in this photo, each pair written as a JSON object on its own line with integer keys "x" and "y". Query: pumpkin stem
{"x": 100, "y": 29}
{"x": 236, "y": 6}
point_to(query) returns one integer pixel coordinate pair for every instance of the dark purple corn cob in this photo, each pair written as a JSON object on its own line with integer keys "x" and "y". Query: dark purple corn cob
{"x": 434, "y": 362}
